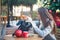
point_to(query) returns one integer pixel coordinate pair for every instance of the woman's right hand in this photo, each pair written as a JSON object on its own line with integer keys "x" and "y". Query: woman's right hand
{"x": 29, "y": 19}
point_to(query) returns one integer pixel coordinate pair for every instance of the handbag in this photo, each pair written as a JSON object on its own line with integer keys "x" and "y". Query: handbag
{"x": 48, "y": 37}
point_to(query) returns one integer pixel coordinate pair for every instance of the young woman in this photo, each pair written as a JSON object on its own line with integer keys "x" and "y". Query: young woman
{"x": 46, "y": 29}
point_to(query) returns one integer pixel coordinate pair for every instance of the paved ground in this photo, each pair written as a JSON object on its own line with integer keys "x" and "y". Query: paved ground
{"x": 35, "y": 37}
{"x": 12, "y": 29}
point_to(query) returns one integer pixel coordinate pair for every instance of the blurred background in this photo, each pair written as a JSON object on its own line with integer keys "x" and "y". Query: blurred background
{"x": 11, "y": 10}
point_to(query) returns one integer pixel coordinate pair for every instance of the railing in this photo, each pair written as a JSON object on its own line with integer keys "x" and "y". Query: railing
{"x": 58, "y": 34}
{"x": 4, "y": 19}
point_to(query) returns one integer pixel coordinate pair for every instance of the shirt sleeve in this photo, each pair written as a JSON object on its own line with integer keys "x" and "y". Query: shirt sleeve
{"x": 44, "y": 32}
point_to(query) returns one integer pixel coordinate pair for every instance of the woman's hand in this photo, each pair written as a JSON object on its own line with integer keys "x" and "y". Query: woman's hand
{"x": 29, "y": 19}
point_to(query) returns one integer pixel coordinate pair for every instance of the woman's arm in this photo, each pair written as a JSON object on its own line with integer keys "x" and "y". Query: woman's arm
{"x": 44, "y": 32}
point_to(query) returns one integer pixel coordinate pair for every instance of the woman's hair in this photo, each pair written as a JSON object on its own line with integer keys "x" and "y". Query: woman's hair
{"x": 44, "y": 14}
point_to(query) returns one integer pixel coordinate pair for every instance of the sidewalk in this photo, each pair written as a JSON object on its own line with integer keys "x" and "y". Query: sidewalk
{"x": 10, "y": 30}
{"x": 35, "y": 37}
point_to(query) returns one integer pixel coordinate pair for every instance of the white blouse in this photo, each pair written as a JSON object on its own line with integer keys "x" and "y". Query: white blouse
{"x": 45, "y": 31}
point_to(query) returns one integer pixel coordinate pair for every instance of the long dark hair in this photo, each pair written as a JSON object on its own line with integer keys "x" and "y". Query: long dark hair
{"x": 44, "y": 14}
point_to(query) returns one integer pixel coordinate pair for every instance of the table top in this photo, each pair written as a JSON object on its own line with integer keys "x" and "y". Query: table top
{"x": 35, "y": 37}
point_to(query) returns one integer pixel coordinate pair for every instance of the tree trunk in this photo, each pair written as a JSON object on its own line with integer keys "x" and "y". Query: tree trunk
{"x": 10, "y": 7}
{"x": 11, "y": 13}
{"x": 8, "y": 16}
{"x": 0, "y": 10}
{"x": 31, "y": 10}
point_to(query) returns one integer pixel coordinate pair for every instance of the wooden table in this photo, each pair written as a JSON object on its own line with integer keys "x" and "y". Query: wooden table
{"x": 35, "y": 37}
